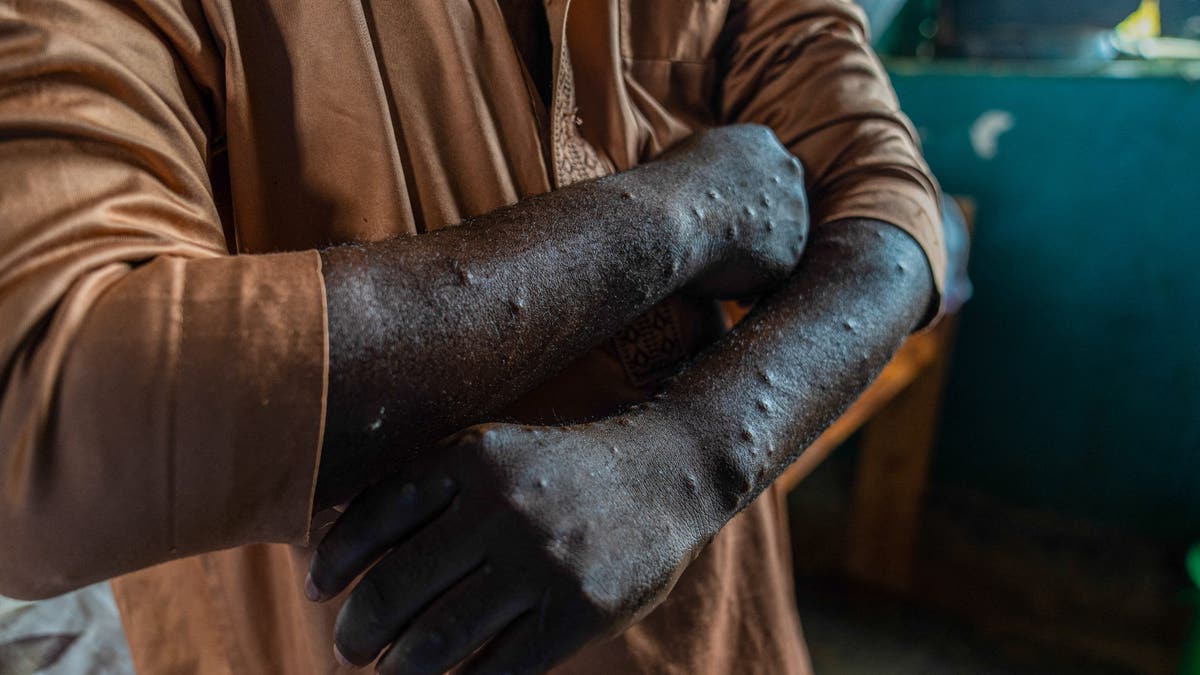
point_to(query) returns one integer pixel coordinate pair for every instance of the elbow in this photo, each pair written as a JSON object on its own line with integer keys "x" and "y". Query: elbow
{"x": 38, "y": 543}
{"x": 29, "y": 570}
{"x": 37, "y": 559}
{"x": 50, "y": 539}
{"x": 81, "y": 495}
{"x": 66, "y": 521}
{"x": 18, "y": 590}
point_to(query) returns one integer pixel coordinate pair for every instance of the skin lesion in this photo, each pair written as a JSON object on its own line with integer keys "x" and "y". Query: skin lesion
{"x": 591, "y": 262}
{"x": 600, "y": 519}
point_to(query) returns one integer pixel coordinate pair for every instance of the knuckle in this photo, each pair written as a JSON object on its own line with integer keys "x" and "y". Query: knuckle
{"x": 486, "y": 436}
{"x": 404, "y": 498}
{"x": 758, "y": 130}
{"x": 795, "y": 165}
{"x": 482, "y": 445}
{"x": 766, "y": 136}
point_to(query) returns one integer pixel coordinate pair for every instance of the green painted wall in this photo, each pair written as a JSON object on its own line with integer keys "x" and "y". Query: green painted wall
{"x": 1076, "y": 384}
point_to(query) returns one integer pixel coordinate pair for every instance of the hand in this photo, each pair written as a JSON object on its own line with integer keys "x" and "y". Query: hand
{"x": 538, "y": 539}
{"x": 748, "y": 193}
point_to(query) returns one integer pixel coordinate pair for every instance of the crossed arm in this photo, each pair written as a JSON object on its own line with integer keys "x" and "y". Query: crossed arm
{"x": 431, "y": 334}
{"x": 539, "y": 539}
{"x": 546, "y": 537}
{"x": 533, "y": 541}
{"x": 115, "y": 276}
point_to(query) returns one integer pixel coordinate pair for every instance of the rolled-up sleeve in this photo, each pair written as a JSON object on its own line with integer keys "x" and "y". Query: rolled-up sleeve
{"x": 805, "y": 68}
{"x": 159, "y": 397}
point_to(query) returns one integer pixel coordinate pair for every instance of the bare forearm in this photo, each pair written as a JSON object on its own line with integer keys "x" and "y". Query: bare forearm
{"x": 590, "y": 525}
{"x": 762, "y": 395}
{"x": 430, "y": 334}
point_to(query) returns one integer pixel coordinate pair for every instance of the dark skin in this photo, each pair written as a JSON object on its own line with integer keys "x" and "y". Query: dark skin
{"x": 434, "y": 333}
{"x": 536, "y": 540}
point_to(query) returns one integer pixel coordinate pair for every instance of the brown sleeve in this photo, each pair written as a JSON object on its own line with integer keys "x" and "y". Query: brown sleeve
{"x": 805, "y": 68}
{"x": 158, "y": 396}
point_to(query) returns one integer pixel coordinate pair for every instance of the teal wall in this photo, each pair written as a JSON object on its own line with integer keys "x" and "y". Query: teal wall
{"x": 1076, "y": 384}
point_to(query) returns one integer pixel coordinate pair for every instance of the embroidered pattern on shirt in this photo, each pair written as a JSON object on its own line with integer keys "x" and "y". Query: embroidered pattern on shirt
{"x": 651, "y": 347}
{"x": 575, "y": 159}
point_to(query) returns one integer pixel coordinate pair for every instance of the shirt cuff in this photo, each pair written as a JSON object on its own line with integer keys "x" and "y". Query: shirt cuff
{"x": 250, "y": 390}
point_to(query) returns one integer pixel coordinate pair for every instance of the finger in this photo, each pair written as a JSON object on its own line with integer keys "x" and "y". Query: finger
{"x": 455, "y": 625}
{"x": 374, "y": 522}
{"x": 401, "y": 584}
{"x": 531, "y": 644}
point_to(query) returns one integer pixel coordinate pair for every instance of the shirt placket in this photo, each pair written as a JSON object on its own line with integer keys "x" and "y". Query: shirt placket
{"x": 573, "y": 159}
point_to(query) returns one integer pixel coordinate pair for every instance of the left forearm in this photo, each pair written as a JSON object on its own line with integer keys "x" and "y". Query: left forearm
{"x": 752, "y": 404}
{"x": 558, "y": 535}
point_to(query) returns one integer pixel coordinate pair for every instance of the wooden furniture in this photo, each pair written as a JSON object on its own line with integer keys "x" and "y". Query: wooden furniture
{"x": 898, "y": 416}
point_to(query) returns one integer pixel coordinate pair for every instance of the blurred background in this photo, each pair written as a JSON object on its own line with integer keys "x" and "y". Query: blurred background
{"x": 1020, "y": 492}
{"x": 1045, "y": 522}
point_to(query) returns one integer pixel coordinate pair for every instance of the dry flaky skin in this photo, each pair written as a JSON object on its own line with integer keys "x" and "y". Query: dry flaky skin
{"x": 547, "y": 537}
{"x": 430, "y": 334}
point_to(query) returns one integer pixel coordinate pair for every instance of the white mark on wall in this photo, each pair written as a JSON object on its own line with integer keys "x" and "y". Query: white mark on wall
{"x": 986, "y": 132}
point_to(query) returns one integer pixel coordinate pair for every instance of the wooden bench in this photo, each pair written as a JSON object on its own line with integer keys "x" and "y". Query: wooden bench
{"x": 898, "y": 416}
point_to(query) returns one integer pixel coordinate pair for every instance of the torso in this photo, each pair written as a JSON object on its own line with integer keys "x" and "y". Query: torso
{"x": 367, "y": 120}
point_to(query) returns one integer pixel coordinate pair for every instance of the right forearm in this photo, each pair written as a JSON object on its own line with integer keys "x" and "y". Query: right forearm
{"x": 433, "y": 333}
{"x": 430, "y": 333}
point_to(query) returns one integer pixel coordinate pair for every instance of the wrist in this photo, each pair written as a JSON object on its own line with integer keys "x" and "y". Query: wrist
{"x": 694, "y": 447}
{"x": 360, "y": 390}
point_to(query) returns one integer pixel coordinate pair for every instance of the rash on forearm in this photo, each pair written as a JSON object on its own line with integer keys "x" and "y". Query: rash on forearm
{"x": 765, "y": 392}
{"x": 433, "y": 333}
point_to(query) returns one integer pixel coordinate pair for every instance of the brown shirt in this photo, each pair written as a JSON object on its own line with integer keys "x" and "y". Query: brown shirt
{"x": 163, "y": 389}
